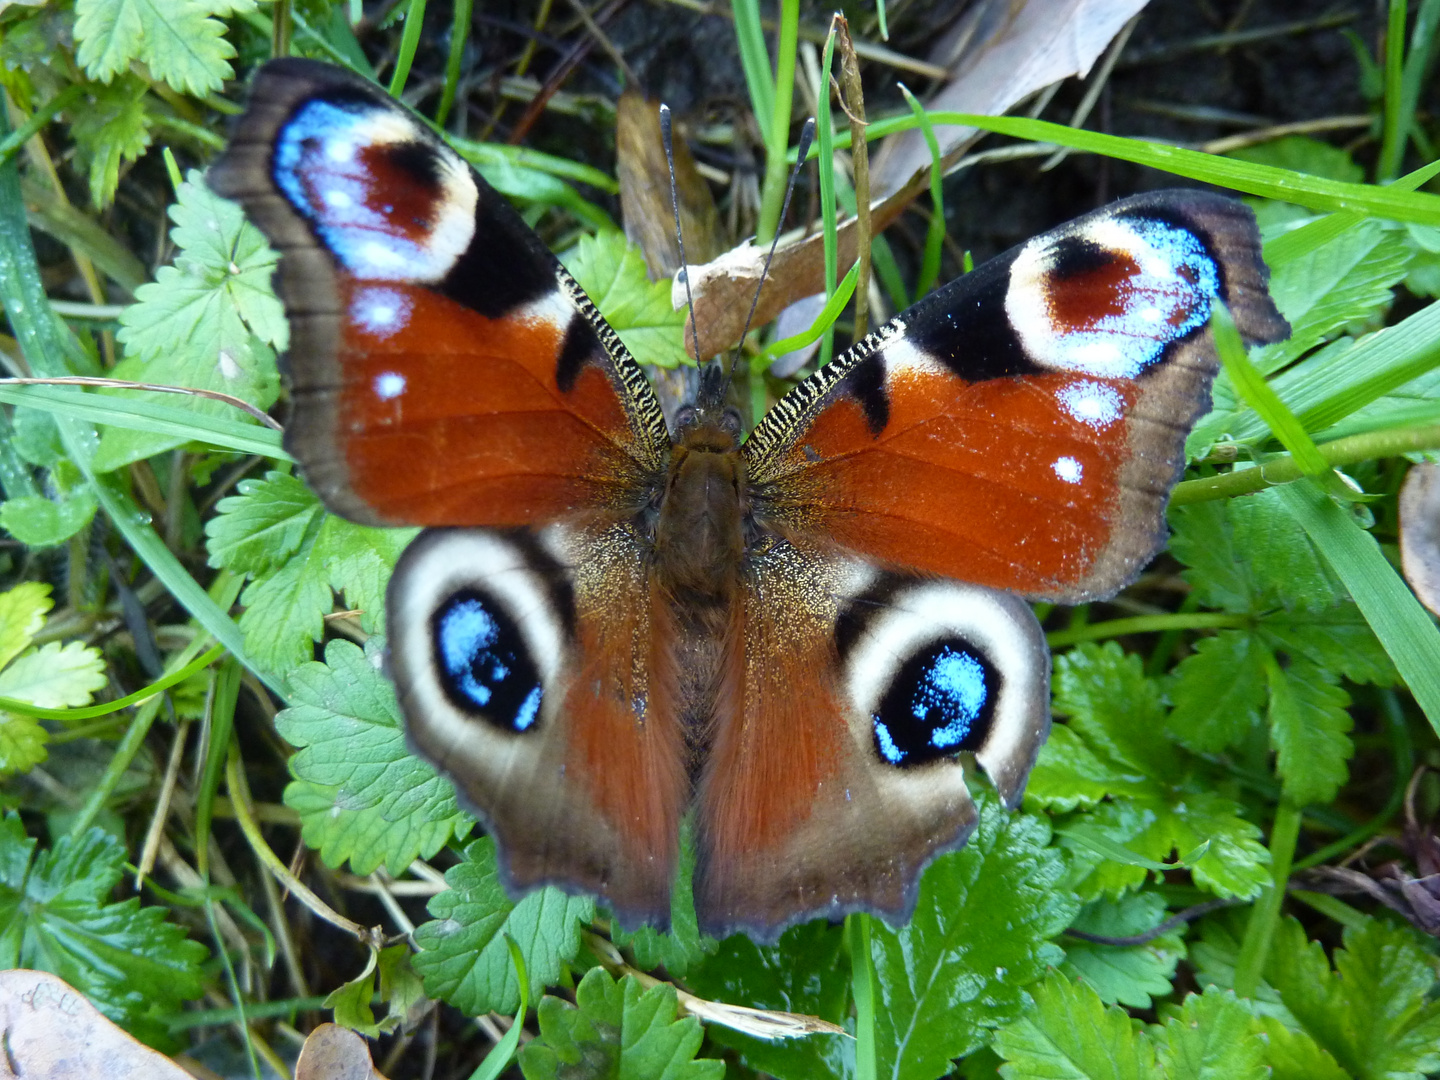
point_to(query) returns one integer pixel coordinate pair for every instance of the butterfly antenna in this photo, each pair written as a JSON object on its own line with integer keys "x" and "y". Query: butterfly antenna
{"x": 807, "y": 135}
{"x": 668, "y": 140}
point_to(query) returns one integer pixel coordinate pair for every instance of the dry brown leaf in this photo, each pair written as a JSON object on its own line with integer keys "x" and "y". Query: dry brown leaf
{"x": 644, "y": 179}
{"x": 1003, "y": 51}
{"x": 50, "y": 1031}
{"x": 332, "y": 1052}
{"x": 1420, "y": 533}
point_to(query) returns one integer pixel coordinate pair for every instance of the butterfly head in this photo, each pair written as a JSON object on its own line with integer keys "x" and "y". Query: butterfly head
{"x": 709, "y": 423}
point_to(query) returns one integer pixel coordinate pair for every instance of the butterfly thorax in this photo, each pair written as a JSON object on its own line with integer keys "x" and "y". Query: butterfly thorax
{"x": 699, "y": 534}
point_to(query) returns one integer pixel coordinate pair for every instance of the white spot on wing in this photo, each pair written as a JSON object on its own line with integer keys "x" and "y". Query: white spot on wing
{"x": 389, "y": 385}
{"x": 1068, "y": 469}
{"x": 1091, "y": 403}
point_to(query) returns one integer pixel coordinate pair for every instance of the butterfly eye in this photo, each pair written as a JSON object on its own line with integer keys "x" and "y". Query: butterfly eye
{"x": 730, "y": 421}
{"x": 940, "y": 702}
{"x": 484, "y": 664}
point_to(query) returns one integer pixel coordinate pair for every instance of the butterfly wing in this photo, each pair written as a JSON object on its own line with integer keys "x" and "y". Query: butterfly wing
{"x": 1018, "y": 430}
{"x": 832, "y": 781}
{"x": 1022, "y": 427}
{"x": 444, "y": 368}
{"x": 447, "y": 371}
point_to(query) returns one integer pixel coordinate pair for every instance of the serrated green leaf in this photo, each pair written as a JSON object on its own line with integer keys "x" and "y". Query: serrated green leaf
{"x": 1339, "y": 640}
{"x": 1125, "y": 974}
{"x": 612, "y": 272}
{"x": 361, "y": 795}
{"x": 128, "y": 960}
{"x": 22, "y": 614}
{"x": 1374, "y": 1014}
{"x": 22, "y": 743}
{"x": 54, "y": 676}
{"x": 463, "y": 957}
{"x": 1068, "y": 774}
{"x": 1308, "y": 731}
{"x": 1218, "y": 692}
{"x": 1283, "y": 565}
{"x": 39, "y": 522}
{"x": 1115, "y": 708}
{"x": 1071, "y": 1034}
{"x": 1201, "y": 538}
{"x": 208, "y": 322}
{"x": 1294, "y": 1055}
{"x": 980, "y": 934}
{"x": 1210, "y": 1038}
{"x": 112, "y": 129}
{"x": 284, "y": 615}
{"x": 804, "y": 972}
{"x": 176, "y": 39}
{"x": 259, "y": 528}
{"x": 616, "y": 1031}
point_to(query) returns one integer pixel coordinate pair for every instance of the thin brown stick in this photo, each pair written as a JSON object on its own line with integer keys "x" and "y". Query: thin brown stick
{"x": 853, "y": 102}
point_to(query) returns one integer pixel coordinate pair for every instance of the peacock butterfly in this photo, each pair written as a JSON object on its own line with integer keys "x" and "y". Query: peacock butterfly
{"x": 793, "y": 636}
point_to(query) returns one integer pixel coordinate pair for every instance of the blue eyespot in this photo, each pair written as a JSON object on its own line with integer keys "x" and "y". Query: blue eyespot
{"x": 940, "y": 703}
{"x": 485, "y": 667}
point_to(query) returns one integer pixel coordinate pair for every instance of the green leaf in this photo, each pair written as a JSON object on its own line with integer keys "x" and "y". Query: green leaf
{"x": 22, "y": 743}
{"x": 361, "y": 795}
{"x": 209, "y": 321}
{"x": 611, "y": 270}
{"x": 1115, "y": 708}
{"x": 1071, "y": 1034}
{"x": 286, "y": 603}
{"x": 1068, "y": 774}
{"x": 39, "y": 522}
{"x": 176, "y": 39}
{"x": 54, "y": 676}
{"x": 1304, "y": 154}
{"x": 463, "y": 957}
{"x": 980, "y": 934}
{"x": 1125, "y": 974}
{"x": 260, "y": 528}
{"x": 1294, "y": 1055}
{"x": 616, "y": 1031}
{"x": 112, "y": 129}
{"x": 1210, "y": 1038}
{"x": 128, "y": 960}
{"x": 1375, "y": 1013}
{"x": 1163, "y": 809}
{"x": 1219, "y": 692}
{"x": 1346, "y": 281}
{"x": 804, "y": 972}
{"x": 1308, "y": 726}
{"x": 22, "y": 614}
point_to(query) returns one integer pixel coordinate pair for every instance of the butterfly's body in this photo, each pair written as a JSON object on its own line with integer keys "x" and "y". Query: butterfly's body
{"x": 792, "y": 636}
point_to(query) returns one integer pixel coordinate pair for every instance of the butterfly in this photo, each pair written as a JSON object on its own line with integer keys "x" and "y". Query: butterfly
{"x": 795, "y": 638}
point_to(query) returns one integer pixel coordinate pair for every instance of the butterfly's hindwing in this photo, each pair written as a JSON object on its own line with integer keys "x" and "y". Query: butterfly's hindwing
{"x": 840, "y": 777}
{"x": 530, "y": 673}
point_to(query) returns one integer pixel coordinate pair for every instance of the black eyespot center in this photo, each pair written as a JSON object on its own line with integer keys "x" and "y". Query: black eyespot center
{"x": 941, "y": 701}
{"x": 484, "y": 663}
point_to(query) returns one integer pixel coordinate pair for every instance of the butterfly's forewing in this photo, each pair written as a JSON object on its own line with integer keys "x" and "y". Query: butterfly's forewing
{"x": 445, "y": 370}
{"x": 1018, "y": 430}
{"x": 1022, "y": 426}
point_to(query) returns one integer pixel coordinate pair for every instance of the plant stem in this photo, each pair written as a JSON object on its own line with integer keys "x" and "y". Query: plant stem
{"x": 1283, "y": 468}
{"x": 777, "y": 168}
{"x": 862, "y": 983}
{"x": 1263, "y": 916}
